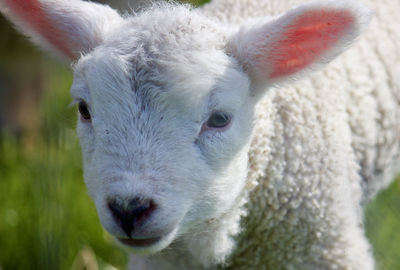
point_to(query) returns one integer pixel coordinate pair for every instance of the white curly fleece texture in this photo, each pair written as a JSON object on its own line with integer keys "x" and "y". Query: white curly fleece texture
{"x": 321, "y": 147}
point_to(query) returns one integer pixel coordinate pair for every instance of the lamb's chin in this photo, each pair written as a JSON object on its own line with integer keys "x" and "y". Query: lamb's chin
{"x": 148, "y": 245}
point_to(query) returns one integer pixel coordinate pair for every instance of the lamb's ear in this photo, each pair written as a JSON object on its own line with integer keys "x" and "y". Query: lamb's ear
{"x": 274, "y": 49}
{"x": 66, "y": 27}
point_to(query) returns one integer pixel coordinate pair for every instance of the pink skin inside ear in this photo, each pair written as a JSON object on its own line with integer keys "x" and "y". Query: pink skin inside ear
{"x": 307, "y": 39}
{"x": 30, "y": 12}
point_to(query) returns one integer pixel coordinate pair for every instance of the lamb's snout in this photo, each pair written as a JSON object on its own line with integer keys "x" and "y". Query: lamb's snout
{"x": 130, "y": 213}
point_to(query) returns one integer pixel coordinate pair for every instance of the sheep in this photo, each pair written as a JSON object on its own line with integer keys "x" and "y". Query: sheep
{"x": 202, "y": 147}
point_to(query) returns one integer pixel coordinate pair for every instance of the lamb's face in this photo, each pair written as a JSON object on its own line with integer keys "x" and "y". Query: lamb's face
{"x": 165, "y": 148}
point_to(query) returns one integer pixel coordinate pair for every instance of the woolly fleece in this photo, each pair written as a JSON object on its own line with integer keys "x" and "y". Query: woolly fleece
{"x": 322, "y": 148}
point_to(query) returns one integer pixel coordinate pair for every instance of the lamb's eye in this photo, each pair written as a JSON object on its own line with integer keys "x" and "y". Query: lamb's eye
{"x": 84, "y": 111}
{"x": 218, "y": 120}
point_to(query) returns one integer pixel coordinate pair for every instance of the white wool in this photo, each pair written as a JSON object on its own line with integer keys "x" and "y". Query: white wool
{"x": 297, "y": 126}
{"x": 283, "y": 184}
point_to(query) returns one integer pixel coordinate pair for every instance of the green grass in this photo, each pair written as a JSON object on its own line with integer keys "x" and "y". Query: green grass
{"x": 383, "y": 227}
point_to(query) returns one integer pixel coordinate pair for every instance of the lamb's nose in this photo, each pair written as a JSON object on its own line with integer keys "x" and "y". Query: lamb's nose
{"x": 129, "y": 214}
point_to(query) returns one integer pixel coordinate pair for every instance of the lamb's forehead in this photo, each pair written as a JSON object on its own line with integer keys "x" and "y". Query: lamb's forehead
{"x": 169, "y": 49}
{"x": 177, "y": 24}
{"x": 165, "y": 32}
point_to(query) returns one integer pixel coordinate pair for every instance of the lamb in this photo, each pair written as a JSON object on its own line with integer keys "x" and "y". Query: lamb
{"x": 202, "y": 150}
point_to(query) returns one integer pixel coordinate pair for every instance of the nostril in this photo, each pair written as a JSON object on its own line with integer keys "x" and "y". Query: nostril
{"x": 128, "y": 214}
{"x": 140, "y": 209}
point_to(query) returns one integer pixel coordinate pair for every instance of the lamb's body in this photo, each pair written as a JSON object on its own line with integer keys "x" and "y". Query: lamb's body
{"x": 321, "y": 148}
{"x": 304, "y": 193}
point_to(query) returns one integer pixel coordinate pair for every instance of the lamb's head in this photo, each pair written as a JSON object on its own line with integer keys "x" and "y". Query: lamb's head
{"x": 168, "y": 122}
{"x": 166, "y": 101}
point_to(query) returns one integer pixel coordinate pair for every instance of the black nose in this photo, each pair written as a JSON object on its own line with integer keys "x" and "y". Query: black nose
{"x": 129, "y": 214}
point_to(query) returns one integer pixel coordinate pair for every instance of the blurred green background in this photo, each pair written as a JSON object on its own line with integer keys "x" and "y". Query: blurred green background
{"x": 47, "y": 221}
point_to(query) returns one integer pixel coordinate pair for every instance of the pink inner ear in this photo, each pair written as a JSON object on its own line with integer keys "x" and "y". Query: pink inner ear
{"x": 307, "y": 38}
{"x": 31, "y": 13}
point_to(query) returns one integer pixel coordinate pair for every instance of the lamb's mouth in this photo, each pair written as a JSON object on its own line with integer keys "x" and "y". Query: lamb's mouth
{"x": 146, "y": 242}
{"x": 150, "y": 244}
